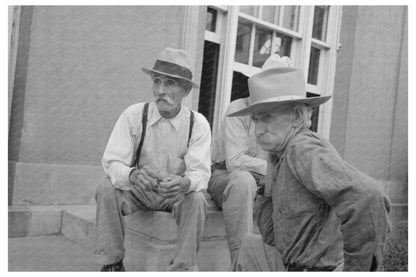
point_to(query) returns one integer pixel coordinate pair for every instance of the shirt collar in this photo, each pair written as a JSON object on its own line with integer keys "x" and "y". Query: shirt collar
{"x": 154, "y": 116}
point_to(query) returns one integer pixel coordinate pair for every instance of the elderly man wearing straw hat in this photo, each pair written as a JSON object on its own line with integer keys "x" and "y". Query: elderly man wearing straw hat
{"x": 158, "y": 158}
{"x": 239, "y": 165}
{"x": 318, "y": 213}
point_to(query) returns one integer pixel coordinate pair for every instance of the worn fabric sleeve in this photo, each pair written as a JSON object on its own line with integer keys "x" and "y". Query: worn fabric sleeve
{"x": 359, "y": 204}
{"x": 118, "y": 153}
{"x": 237, "y": 143}
{"x": 198, "y": 156}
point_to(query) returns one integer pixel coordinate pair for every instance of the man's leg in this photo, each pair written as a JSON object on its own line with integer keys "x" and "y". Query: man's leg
{"x": 112, "y": 205}
{"x": 255, "y": 255}
{"x": 234, "y": 192}
{"x": 190, "y": 215}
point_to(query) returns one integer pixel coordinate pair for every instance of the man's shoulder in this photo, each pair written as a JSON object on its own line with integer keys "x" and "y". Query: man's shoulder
{"x": 237, "y": 105}
{"x": 135, "y": 108}
{"x": 200, "y": 119}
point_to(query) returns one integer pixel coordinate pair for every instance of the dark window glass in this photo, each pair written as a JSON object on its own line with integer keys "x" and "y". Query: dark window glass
{"x": 315, "y": 113}
{"x": 242, "y": 46}
{"x": 247, "y": 10}
{"x": 282, "y": 45}
{"x": 209, "y": 80}
{"x": 240, "y": 86}
{"x": 262, "y": 46}
{"x": 211, "y": 21}
{"x": 314, "y": 66}
{"x": 320, "y": 19}
{"x": 268, "y": 13}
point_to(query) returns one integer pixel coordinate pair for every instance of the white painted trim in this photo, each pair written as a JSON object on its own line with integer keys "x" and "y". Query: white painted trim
{"x": 213, "y": 37}
{"x": 269, "y": 25}
{"x": 227, "y": 52}
{"x": 333, "y": 33}
{"x": 14, "y": 25}
{"x": 188, "y": 38}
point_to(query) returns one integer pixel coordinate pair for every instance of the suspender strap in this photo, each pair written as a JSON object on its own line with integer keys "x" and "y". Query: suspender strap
{"x": 191, "y": 125}
{"x": 144, "y": 125}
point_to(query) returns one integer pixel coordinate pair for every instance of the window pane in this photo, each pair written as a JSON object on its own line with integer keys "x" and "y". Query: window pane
{"x": 247, "y": 9}
{"x": 314, "y": 66}
{"x": 240, "y": 86}
{"x": 315, "y": 114}
{"x": 282, "y": 45}
{"x": 262, "y": 46}
{"x": 242, "y": 46}
{"x": 268, "y": 13}
{"x": 210, "y": 24}
{"x": 209, "y": 80}
{"x": 320, "y": 22}
{"x": 291, "y": 17}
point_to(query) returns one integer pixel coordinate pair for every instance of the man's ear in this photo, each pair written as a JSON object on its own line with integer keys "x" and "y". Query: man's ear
{"x": 297, "y": 116}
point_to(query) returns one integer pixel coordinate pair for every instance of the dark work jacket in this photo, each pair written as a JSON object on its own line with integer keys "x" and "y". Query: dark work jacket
{"x": 320, "y": 210}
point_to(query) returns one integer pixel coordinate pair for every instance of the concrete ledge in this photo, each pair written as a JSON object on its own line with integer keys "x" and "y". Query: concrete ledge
{"x": 34, "y": 220}
{"x": 55, "y": 184}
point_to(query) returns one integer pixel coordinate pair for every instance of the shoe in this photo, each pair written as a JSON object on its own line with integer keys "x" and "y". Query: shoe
{"x": 118, "y": 266}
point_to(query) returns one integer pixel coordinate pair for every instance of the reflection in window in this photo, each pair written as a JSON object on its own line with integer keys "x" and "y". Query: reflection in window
{"x": 314, "y": 66}
{"x": 291, "y": 17}
{"x": 247, "y": 10}
{"x": 268, "y": 13}
{"x": 242, "y": 47}
{"x": 210, "y": 23}
{"x": 320, "y": 22}
{"x": 282, "y": 45}
{"x": 262, "y": 46}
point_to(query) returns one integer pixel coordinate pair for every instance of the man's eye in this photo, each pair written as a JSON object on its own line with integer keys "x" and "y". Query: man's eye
{"x": 254, "y": 119}
{"x": 170, "y": 83}
{"x": 156, "y": 81}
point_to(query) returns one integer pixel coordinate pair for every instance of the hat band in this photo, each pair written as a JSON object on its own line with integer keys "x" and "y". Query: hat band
{"x": 279, "y": 98}
{"x": 172, "y": 69}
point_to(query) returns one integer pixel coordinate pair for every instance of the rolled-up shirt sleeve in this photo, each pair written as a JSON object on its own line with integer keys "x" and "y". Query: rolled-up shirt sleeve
{"x": 354, "y": 196}
{"x": 237, "y": 143}
{"x": 198, "y": 156}
{"x": 118, "y": 153}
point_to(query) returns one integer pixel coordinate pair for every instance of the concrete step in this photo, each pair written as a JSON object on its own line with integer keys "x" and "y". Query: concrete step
{"x": 34, "y": 220}
{"x": 48, "y": 253}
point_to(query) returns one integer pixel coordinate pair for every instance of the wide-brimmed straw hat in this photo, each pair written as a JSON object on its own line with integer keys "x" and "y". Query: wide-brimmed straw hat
{"x": 174, "y": 63}
{"x": 277, "y": 86}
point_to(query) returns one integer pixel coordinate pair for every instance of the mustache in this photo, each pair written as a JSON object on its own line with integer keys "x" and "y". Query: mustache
{"x": 163, "y": 99}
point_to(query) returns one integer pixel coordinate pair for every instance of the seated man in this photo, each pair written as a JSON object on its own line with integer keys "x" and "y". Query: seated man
{"x": 319, "y": 213}
{"x": 158, "y": 158}
{"x": 239, "y": 164}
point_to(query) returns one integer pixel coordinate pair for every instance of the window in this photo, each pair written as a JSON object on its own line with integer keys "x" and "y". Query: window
{"x": 211, "y": 21}
{"x": 253, "y": 33}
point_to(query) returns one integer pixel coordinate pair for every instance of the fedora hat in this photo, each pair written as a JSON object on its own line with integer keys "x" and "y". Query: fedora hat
{"x": 277, "y": 86}
{"x": 175, "y": 63}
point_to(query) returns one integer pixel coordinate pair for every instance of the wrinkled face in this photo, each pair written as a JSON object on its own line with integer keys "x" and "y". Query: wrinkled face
{"x": 272, "y": 128}
{"x": 168, "y": 93}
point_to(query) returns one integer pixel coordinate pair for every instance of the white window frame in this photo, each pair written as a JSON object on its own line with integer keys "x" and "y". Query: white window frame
{"x": 226, "y": 34}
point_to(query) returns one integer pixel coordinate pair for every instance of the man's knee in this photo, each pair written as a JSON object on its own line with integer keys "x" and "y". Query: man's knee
{"x": 241, "y": 182}
{"x": 195, "y": 200}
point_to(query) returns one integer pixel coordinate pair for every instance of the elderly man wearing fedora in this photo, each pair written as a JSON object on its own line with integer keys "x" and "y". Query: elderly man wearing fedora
{"x": 239, "y": 165}
{"x": 318, "y": 213}
{"x": 158, "y": 158}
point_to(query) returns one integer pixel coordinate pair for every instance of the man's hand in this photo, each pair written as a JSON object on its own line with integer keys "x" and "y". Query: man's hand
{"x": 144, "y": 178}
{"x": 173, "y": 186}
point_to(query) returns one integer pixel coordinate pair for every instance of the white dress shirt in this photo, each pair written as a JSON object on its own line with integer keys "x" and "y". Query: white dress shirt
{"x": 236, "y": 144}
{"x": 164, "y": 147}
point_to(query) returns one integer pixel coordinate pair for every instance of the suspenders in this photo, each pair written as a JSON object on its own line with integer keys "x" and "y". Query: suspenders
{"x": 144, "y": 125}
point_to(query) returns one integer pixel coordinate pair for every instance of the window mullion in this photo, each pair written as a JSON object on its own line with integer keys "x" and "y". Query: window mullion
{"x": 252, "y": 38}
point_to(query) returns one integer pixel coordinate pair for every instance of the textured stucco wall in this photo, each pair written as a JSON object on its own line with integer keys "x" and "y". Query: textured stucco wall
{"x": 369, "y": 117}
{"x": 78, "y": 68}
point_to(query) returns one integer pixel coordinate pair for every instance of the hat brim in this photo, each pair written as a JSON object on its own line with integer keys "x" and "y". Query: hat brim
{"x": 150, "y": 71}
{"x": 267, "y": 106}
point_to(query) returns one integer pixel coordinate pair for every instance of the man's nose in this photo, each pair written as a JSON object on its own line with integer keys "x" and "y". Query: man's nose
{"x": 259, "y": 129}
{"x": 160, "y": 89}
